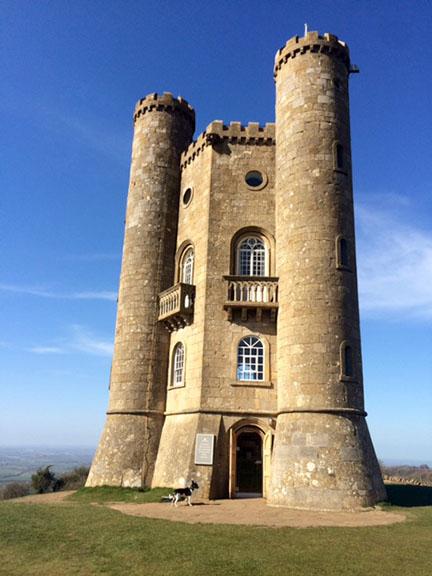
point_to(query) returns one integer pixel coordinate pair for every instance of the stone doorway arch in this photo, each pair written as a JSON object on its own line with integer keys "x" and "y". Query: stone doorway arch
{"x": 250, "y": 444}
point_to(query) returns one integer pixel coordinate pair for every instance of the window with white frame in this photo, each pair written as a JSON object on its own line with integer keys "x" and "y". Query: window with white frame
{"x": 252, "y": 257}
{"x": 178, "y": 365}
{"x": 187, "y": 266}
{"x": 250, "y": 359}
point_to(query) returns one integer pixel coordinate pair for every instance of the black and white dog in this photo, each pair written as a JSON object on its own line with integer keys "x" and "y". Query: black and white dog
{"x": 184, "y": 494}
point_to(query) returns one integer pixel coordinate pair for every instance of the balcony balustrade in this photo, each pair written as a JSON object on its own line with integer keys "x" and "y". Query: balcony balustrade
{"x": 257, "y": 294}
{"x": 176, "y": 306}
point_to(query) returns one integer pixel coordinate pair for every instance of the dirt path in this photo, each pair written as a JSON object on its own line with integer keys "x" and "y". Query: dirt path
{"x": 252, "y": 511}
{"x": 256, "y": 512}
{"x": 50, "y": 498}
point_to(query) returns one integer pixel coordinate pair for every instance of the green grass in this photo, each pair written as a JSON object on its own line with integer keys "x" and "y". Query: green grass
{"x": 103, "y": 494}
{"x": 78, "y": 538}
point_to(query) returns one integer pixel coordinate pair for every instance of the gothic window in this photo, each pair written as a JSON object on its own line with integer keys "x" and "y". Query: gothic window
{"x": 178, "y": 365}
{"x": 250, "y": 359}
{"x": 252, "y": 257}
{"x": 187, "y": 265}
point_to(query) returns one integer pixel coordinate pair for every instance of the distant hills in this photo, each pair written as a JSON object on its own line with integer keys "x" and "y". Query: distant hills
{"x": 17, "y": 464}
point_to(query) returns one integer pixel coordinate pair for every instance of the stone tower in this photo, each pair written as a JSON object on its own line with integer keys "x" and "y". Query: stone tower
{"x": 237, "y": 356}
{"x": 127, "y": 451}
{"x": 323, "y": 454}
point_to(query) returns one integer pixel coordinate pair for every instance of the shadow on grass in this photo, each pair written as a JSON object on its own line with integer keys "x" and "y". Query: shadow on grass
{"x": 409, "y": 496}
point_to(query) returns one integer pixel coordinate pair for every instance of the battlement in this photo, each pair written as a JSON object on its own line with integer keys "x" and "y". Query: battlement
{"x": 165, "y": 102}
{"x": 312, "y": 42}
{"x": 236, "y": 133}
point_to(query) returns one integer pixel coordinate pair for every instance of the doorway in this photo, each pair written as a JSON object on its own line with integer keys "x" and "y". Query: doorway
{"x": 250, "y": 444}
{"x": 249, "y": 464}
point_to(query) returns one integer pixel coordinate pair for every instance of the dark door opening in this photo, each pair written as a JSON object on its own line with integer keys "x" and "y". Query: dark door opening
{"x": 249, "y": 473}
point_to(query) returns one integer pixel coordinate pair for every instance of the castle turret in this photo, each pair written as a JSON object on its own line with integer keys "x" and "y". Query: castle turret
{"x": 323, "y": 456}
{"x": 164, "y": 126}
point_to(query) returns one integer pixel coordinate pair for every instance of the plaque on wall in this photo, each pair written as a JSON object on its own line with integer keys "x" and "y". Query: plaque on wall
{"x": 204, "y": 448}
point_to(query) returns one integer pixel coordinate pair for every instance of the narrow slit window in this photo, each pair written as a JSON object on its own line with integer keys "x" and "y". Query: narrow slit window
{"x": 343, "y": 251}
{"x": 347, "y": 360}
{"x": 343, "y": 259}
{"x": 338, "y": 151}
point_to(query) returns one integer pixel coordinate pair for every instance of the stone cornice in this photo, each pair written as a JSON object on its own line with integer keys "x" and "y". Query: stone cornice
{"x": 133, "y": 412}
{"x": 337, "y": 411}
{"x": 224, "y": 412}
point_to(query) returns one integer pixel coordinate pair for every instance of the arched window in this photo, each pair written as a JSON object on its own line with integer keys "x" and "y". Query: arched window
{"x": 252, "y": 257}
{"x": 347, "y": 361}
{"x": 250, "y": 359}
{"x": 187, "y": 266}
{"x": 178, "y": 365}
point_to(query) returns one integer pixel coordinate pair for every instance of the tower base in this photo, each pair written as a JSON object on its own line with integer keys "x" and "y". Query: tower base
{"x": 324, "y": 461}
{"x": 127, "y": 451}
{"x": 175, "y": 464}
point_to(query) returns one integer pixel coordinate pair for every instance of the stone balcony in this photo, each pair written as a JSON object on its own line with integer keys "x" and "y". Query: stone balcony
{"x": 251, "y": 294}
{"x": 176, "y": 306}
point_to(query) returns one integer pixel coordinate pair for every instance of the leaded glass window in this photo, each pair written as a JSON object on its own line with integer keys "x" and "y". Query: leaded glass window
{"x": 250, "y": 359}
{"x": 252, "y": 257}
{"x": 187, "y": 267}
{"x": 178, "y": 365}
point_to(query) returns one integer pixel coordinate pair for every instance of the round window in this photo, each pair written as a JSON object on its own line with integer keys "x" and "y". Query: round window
{"x": 255, "y": 179}
{"x": 187, "y": 196}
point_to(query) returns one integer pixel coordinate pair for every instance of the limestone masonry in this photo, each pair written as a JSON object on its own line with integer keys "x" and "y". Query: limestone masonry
{"x": 237, "y": 357}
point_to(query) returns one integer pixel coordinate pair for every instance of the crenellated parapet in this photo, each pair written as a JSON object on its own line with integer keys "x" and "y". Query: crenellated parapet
{"x": 235, "y": 133}
{"x": 312, "y": 42}
{"x": 164, "y": 102}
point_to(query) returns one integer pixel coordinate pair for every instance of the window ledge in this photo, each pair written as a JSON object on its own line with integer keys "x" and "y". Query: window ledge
{"x": 253, "y": 383}
{"x": 176, "y": 386}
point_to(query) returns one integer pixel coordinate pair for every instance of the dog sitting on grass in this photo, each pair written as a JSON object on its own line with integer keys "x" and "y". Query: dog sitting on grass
{"x": 184, "y": 494}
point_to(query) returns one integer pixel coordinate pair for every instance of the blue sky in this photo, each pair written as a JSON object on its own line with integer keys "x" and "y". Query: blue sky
{"x": 72, "y": 72}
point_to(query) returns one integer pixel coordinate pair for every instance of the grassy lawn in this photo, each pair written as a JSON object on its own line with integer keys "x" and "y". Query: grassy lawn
{"x": 105, "y": 494}
{"x": 86, "y": 539}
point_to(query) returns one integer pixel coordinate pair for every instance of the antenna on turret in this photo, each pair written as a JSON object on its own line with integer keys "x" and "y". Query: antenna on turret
{"x": 306, "y": 29}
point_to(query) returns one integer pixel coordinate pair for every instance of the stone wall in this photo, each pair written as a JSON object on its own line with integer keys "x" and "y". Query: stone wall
{"x": 214, "y": 167}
